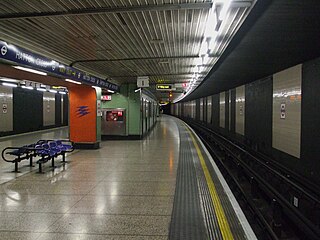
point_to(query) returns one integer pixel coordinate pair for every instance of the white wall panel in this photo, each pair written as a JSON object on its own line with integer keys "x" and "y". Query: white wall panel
{"x": 222, "y": 109}
{"x": 286, "y": 124}
{"x": 240, "y": 109}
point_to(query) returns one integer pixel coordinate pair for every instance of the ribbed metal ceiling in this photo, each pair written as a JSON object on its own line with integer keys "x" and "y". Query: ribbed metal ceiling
{"x": 156, "y": 38}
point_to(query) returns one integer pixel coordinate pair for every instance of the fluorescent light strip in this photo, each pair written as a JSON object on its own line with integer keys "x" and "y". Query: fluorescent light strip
{"x": 53, "y": 91}
{"x": 72, "y": 81}
{"x": 9, "y": 85}
{"x": 110, "y": 91}
{"x": 30, "y": 70}
{"x": 62, "y": 92}
{"x": 25, "y": 87}
{"x": 41, "y": 89}
{"x": 9, "y": 80}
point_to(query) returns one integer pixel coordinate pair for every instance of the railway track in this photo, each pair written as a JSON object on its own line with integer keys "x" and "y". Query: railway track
{"x": 279, "y": 203}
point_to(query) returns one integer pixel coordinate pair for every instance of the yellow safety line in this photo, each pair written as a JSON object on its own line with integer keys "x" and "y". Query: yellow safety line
{"x": 221, "y": 217}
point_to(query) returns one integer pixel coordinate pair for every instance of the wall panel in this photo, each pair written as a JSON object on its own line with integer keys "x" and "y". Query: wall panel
{"x": 222, "y": 110}
{"x": 49, "y": 109}
{"x": 209, "y": 109}
{"x": 258, "y": 114}
{"x": 286, "y": 123}
{"x": 27, "y": 111}
{"x": 240, "y": 109}
{"x": 6, "y": 109}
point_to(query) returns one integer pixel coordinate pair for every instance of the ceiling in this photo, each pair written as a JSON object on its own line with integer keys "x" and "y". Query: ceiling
{"x": 121, "y": 40}
{"x": 276, "y": 35}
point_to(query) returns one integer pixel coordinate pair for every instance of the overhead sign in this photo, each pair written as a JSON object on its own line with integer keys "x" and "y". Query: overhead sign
{"x": 164, "y": 87}
{"x": 143, "y": 82}
{"x": 24, "y": 57}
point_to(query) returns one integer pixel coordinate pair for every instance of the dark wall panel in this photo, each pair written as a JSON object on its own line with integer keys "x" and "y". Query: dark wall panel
{"x": 27, "y": 110}
{"x": 66, "y": 110}
{"x": 258, "y": 114}
{"x": 215, "y": 110}
{"x": 310, "y": 120}
{"x": 198, "y": 109}
{"x": 58, "y": 109}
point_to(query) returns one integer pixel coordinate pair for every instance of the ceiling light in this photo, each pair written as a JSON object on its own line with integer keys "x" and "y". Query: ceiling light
{"x": 110, "y": 91}
{"x": 9, "y": 80}
{"x": 9, "y": 84}
{"x": 62, "y": 92}
{"x": 30, "y": 70}
{"x": 72, "y": 81}
{"x": 41, "y": 89}
{"x": 29, "y": 87}
{"x": 224, "y": 9}
{"x": 53, "y": 91}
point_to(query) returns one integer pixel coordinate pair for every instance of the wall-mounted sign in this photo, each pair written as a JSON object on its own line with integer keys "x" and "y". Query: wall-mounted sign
{"x": 143, "y": 82}
{"x": 283, "y": 111}
{"x": 241, "y": 110}
{"x": 163, "y": 87}
{"x": 82, "y": 111}
{"x": 106, "y": 98}
{"x": 4, "y": 108}
{"x": 24, "y": 57}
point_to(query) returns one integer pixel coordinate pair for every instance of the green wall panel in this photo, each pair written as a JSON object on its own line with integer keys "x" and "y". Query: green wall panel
{"x": 129, "y": 100}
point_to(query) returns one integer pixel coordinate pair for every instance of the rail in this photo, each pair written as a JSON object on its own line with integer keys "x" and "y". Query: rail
{"x": 262, "y": 172}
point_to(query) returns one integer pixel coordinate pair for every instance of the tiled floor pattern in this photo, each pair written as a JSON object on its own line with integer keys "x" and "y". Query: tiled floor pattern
{"x": 124, "y": 190}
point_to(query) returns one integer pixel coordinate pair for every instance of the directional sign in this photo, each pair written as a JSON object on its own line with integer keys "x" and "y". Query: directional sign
{"x": 164, "y": 87}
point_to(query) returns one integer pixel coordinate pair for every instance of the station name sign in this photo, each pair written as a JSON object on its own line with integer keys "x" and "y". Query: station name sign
{"x": 164, "y": 87}
{"x": 24, "y": 57}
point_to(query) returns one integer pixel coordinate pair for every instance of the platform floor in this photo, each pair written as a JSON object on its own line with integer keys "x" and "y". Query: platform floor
{"x": 124, "y": 190}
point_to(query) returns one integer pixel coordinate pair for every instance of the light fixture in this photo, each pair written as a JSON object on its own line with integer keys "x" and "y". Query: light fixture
{"x": 53, "y": 91}
{"x": 30, "y": 70}
{"x": 224, "y": 9}
{"x": 9, "y": 84}
{"x": 110, "y": 91}
{"x": 9, "y": 80}
{"x": 41, "y": 89}
{"x": 72, "y": 81}
{"x": 27, "y": 87}
{"x": 137, "y": 90}
{"x": 62, "y": 92}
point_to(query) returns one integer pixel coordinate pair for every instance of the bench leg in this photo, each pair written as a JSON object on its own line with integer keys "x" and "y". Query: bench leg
{"x": 16, "y": 165}
{"x": 31, "y": 163}
{"x": 64, "y": 157}
{"x": 40, "y": 167}
{"x": 52, "y": 162}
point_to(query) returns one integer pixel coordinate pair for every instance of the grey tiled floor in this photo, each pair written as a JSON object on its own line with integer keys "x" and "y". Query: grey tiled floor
{"x": 124, "y": 190}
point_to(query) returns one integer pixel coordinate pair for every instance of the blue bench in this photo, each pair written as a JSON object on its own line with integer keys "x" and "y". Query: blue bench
{"x": 52, "y": 149}
{"x": 45, "y": 149}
